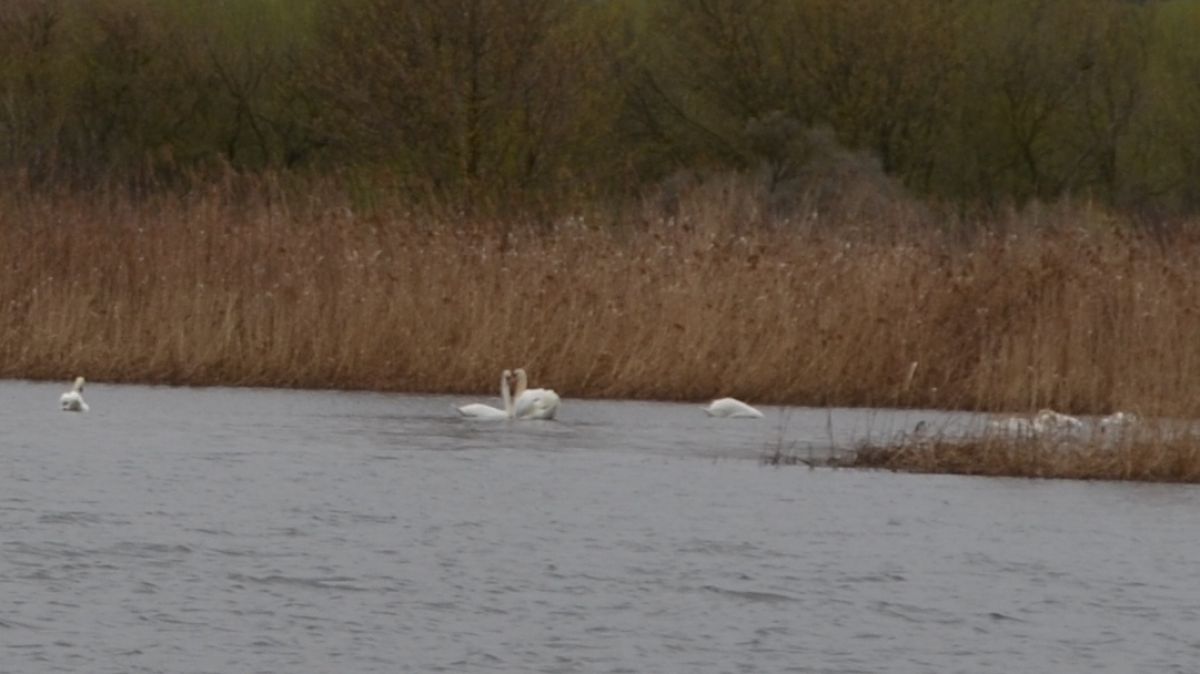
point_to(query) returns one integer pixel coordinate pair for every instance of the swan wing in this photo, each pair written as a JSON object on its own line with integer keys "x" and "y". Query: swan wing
{"x": 536, "y": 403}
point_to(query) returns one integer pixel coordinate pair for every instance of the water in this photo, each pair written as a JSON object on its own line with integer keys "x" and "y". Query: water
{"x": 176, "y": 530}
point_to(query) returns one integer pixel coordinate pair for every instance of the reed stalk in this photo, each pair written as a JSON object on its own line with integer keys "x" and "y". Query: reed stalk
{"x": 249, "y": 282}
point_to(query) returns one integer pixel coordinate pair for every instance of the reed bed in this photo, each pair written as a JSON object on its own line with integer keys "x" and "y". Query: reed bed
{"x": 247, "y": 282}
{"x": 1153, "y": 455}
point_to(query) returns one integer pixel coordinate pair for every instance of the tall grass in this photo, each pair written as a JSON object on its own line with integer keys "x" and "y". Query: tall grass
{"x": 249, "y": 282}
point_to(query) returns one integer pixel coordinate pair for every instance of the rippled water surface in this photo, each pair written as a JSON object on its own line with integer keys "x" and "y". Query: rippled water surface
{"x": 216, "y": 530}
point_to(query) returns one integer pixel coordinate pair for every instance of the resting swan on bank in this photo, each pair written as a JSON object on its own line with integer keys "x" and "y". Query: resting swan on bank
{"x": 481, "y": 411}
{"x": 533, "y": 403}
{"x": 1045, "y": 421}
{"x": 1119, "y": 421}
{"x": 732, "y": 408}
{"x": 72, "y": 401}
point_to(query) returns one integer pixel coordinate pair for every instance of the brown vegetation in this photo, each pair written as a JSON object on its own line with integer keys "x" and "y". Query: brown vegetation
{"x": 257, "y": 283}
{"x": 1150, "y": 456}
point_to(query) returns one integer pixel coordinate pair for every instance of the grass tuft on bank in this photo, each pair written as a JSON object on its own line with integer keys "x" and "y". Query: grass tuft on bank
{"x": 1149, "y": 455}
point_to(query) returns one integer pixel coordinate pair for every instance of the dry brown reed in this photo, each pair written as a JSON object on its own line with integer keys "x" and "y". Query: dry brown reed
{"x": 1152, "y": 455}
{"x": 249, "y": 282}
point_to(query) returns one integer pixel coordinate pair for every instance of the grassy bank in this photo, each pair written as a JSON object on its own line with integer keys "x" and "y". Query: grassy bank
{"x": 246, "y": 282}
{"x": 1149, "y": 456}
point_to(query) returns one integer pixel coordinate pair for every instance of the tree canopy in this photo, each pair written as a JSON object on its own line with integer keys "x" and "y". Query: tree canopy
{"x": 957, "y": 100}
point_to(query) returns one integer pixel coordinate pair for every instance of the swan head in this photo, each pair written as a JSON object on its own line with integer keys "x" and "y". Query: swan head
{"x": 78, "y": 386}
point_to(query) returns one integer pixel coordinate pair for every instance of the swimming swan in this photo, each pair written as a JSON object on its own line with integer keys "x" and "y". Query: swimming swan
{"x": 481, "y": 411}
{"x": 533, "y": 403}
{"x": 732, "y": 408}
{"x": 72, "y": 401}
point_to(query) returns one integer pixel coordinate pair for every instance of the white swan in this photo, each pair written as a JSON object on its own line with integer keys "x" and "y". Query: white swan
{"x": 1045, "y": 421}
{"x": 733, "y": 408}
{"x": 1119, "y": 421}
{"x": 72, "y": 401}
{"x": 1049, "y": 421}
{"x": 533, "y": 403}
{"x": 481, "y": 411}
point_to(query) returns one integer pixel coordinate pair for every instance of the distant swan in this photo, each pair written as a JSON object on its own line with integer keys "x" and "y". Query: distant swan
{"x": 733, "y": 408}
{"x": 533, "y": 403}
{"x": 1119, "y": 421}
{"x": 72, "y": 401}
{"x": 1048, "y": 420}
{"x": 481, "y": 411}
{"x": 1045, "y": 421}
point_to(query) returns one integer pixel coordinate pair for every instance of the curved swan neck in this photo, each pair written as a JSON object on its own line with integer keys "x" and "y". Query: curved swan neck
{"x": 78, "y": 387}
{"x": 522, "y": 382}
{"x": 505, "y": 394}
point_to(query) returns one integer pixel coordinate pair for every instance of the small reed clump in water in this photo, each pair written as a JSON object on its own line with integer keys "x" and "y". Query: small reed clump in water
{"x": 1149, "y": 456}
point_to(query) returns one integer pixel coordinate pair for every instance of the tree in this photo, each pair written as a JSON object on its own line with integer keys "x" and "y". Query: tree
{"x": 468, "y": 94}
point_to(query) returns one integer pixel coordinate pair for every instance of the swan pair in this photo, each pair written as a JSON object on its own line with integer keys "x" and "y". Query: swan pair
{"x": 72, "y": 401}
{"x": 524, "y": 403}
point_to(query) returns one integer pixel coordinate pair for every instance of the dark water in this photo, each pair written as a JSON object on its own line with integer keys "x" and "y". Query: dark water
{"x": 174, "y": 530}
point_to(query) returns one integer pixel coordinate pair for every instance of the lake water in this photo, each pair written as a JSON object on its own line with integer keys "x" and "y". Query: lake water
{"x": 225, "y": 530}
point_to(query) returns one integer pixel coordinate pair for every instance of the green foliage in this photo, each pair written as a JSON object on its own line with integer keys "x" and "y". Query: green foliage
{"x": 496, "y": 100}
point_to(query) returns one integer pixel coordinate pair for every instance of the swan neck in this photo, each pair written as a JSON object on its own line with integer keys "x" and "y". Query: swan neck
{"x": 522, "y": 383}
{"x": 506, "y": 397}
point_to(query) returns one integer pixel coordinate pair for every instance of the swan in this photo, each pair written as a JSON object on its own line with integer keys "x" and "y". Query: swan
{"x": 1045, "y": 421}
{"x": 481, "y": 411}
{"x": 533, "y": 403}
{"x": 72, "y": 401}
{"x": 1119, "y": 421}
{"x": 1048, "y": 420}
{"x": 733, "y": 408}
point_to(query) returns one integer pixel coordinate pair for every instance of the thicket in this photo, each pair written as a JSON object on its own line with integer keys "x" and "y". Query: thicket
{"x": 491, "y": 102}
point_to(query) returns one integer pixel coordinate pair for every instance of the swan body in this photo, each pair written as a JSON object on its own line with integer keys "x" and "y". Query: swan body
{"x": 1046, "y": 421}
{"x": 1118, "y": 421}
{"x": 72, "y": 401}
{"x": 533, "y": 403}
{"x": 732, "y": 408}
{"x": 481, "y": 411}
{"x": 1049, "y": 421}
